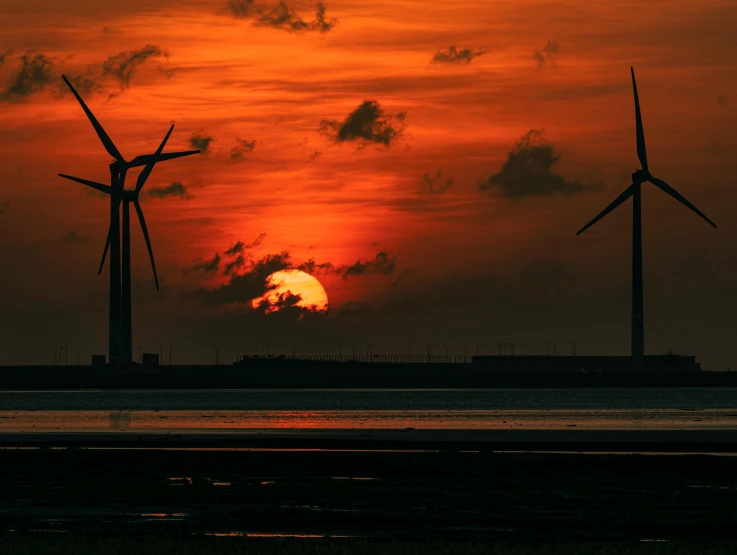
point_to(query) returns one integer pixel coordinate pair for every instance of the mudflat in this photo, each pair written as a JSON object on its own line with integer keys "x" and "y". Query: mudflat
{"x": 411, "y": 496}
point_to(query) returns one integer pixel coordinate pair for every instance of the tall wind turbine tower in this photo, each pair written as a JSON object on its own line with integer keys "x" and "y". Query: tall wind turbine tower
{"x": 120, "y": 336}
{"x": 638, "y": 178}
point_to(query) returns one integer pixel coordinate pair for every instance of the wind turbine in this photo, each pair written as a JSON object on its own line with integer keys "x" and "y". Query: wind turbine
{"x": 120, "y": 336}
{"x": 638, "y": 178}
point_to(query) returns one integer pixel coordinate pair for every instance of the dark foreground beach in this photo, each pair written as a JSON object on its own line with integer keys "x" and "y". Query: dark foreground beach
{"x": 223, "y": 496}
{"x": 25, "y": 545}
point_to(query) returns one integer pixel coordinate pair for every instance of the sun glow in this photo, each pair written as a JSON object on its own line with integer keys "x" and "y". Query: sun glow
{"x": 286, "y": 283}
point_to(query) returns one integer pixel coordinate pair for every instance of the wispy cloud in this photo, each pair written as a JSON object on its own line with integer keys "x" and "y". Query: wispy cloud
{"x": 434, "y": 185}
{"x": 384, "y": 263}
{"x": 252, "y": 282}
{"x": 280, "y": 16}
{"x": 240, "y": 246}
{"x": 455, "y": 56}
{"x": 547, "y": 55}
{"x": 37, "y": 72}
{"x": 34, "y": 73}
{"x": 123, "y": 65}
{"x": 241, "y": 148}
{"x": 207, "y": 266}
{"x": 176, "y": 189}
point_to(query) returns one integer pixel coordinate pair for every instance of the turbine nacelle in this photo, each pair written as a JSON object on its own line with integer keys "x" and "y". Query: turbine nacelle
{"x": 643, "y": 175}
{"x": 640, "y": 176}
{"x": 118, "y": 169}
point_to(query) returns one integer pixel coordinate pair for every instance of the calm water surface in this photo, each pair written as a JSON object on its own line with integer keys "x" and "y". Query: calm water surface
{"x": 228, "y": 410}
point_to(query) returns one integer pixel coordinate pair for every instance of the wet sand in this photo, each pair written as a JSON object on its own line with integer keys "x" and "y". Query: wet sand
{"x": 418, "y": 495}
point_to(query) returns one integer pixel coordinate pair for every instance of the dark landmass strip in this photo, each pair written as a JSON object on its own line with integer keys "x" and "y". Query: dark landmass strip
{"x": 415, "y": 496}
{"x": 365, "y": 439}
{"x": 274, "y": 374}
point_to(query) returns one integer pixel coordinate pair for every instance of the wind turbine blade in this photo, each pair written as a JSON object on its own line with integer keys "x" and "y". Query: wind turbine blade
{"x": 148, "y": 241}
{"x": 106, "y": 140}
{"x": 107, "y": 246}
{"x": 641, "y": 153}
{"x": 679, "y": 197}
{"x": 93, "y": 184}
{"x": 617, "y": 201}
{"x": 150, "y": 166}
{"x": 154, "y": 158}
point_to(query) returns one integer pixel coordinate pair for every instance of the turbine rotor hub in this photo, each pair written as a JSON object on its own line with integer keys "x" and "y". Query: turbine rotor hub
{"x": 640, "y": 175}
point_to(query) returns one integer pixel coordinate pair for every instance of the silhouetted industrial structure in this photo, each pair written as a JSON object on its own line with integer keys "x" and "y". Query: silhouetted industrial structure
{"x": 381, "y": 371}
{"x": 649, "y": 363}
{"x": 120, "y": 332}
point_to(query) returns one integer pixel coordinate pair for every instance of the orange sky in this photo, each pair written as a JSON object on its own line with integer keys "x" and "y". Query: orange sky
{"x": 230, "y": 79}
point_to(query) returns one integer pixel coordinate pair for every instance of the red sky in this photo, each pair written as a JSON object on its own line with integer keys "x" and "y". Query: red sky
{"x": 470, "y": 265}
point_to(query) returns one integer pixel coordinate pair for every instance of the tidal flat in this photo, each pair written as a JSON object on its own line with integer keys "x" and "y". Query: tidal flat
{"x": 437, "y": 496}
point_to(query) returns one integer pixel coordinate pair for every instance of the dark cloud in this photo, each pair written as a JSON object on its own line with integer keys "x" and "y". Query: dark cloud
{"x": 4, "y": 55}
{"x": 434, "y": 185}
{"x": 314, "y": 268}
{"x": 244, "y": 287}
{"x": 236, "y": 249}
{"x": 108, "y": 30}
{"x": 73, "y": 237}
{"x": 722, "y": 100}
{"x": 207, "y": 266}
{"x": 252, "y": 282}
{"x": 38, "y": 72}
{"x": 454, "y": 56}
{"x": 320, "y": 23}
{"x": 122, "y": 65}
{"x": 522, "y": 305}
{"x": 241, "y": 148}
{"x": 314, "y": 155}
{"x": 234, "y": 265}
{"x": 242, "y": 9}
{"x": 282, "y": 302}
{"x": 240, "y": 246}
{"x": 34, "y": 73}
{"x": 367, "y": 124}
{"x": 384, "y": 263}
{"x": 547, "y": 55}
{"x": 279, "y": 16}
{"x": 201, "y": 141}
{"x": 527, "y": 171}
{"x": 176, "y": 189}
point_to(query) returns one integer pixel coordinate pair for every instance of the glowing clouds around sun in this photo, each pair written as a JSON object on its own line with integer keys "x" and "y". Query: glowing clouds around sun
{"x": 292, "y": 288}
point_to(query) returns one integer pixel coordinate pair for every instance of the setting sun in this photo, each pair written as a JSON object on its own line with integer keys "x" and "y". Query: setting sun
{"x": 284, "y": 283}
